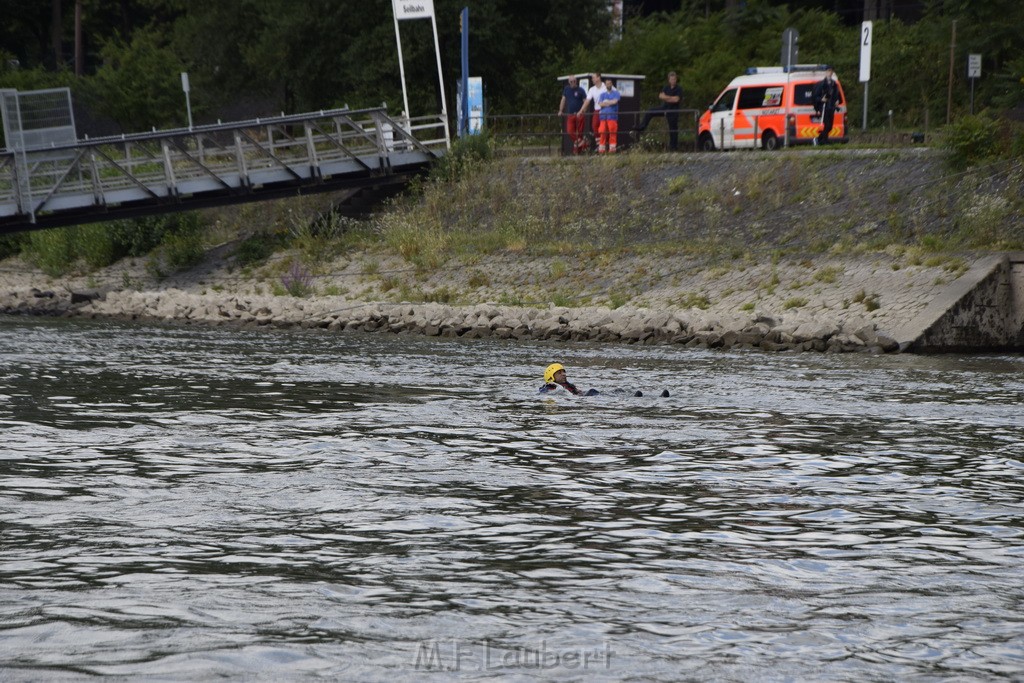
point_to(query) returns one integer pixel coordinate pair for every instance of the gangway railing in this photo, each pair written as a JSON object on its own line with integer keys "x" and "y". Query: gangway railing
{"x": 100, "y": 178}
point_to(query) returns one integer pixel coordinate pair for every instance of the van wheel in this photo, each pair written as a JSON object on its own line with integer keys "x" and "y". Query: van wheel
{"x": 707, "y": 143}
{"x": 770, "y": 141}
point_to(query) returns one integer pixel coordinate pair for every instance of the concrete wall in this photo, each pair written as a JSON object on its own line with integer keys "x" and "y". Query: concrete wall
{"x": 1016, "y": 266}
{"x": 982, "y": 310}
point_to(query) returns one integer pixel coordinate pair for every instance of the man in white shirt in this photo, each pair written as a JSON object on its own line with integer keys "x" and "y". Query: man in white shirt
{"x": 593, "y": 99}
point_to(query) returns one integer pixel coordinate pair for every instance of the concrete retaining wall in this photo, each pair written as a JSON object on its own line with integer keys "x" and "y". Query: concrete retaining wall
{"x": 981, "y": 311}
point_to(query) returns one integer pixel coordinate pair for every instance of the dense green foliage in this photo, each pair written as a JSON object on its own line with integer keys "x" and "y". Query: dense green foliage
{"x": 910, "y": 62}
{"x": 177, "y": 240}
{"x": 299, "y": 55}
{"x": 252, "y": 57}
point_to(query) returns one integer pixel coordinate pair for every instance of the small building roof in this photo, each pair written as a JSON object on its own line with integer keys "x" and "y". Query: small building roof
{"x": 588, "y": 74}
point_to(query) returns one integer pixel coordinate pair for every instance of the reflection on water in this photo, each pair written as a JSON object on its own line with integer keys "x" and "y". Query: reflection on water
{"x": 196, "y": 503}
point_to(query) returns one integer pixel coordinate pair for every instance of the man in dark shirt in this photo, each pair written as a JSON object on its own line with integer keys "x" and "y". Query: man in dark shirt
{"x": 570, "y": 107}
{"x": 671, "y": 97}
{"x": 826, "y": 99}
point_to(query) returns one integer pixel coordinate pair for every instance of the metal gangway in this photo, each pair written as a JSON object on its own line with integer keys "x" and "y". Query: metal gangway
{"x": 67, "y": 182}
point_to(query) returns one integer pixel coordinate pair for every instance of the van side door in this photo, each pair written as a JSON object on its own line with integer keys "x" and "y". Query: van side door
{"x": 758, "y": 108}
{"x": 723, "y": 119}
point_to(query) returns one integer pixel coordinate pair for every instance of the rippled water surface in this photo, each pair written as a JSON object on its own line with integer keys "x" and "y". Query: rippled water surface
{"x": 190, "y": 504}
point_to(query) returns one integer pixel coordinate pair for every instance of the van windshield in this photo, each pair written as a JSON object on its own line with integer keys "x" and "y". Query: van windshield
{"x": 724, "y": 101}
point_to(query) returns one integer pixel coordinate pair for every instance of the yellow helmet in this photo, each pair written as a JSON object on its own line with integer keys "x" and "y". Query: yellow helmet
{"x": 549, "y": 372}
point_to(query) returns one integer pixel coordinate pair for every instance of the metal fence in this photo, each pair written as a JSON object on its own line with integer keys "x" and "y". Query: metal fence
{"x": 37, "y": 118}
{"x": 545, "y": 134}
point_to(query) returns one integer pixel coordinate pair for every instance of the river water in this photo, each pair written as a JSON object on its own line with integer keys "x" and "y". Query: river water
{"x": 185, "y": 504}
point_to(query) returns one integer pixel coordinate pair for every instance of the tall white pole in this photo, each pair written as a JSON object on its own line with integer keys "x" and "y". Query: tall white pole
{"x": 440, "y": 82}
{"x": 401, "y": 69}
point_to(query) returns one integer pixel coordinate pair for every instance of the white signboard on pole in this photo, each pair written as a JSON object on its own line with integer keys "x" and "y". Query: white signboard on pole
{"x": 973, "y": 66}
{"x": 419, "y": 9}
{"x": 414, "y": 9}
{"x": 865, "y": 51}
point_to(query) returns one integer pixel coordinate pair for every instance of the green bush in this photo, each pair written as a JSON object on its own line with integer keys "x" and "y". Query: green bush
{"x": 466, "y": 153}
{"x": 139, "y": 236}
{"x": 96, "y": 245}
{"x": 317, "y": 236}
{"x": 101, "y": 244}
{"x": 972, "y": 140}
{"x": 12, "y": 245}
{"x": 256, "y": 249}
{"x": 181, "y": 242}
{"x": 51, "y": 250}
{"x": 183, "y": 250}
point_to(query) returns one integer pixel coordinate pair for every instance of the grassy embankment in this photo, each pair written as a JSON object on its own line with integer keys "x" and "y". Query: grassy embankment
{"x": 595, "y": 225}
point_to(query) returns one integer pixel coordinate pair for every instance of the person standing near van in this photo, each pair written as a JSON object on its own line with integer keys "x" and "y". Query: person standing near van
{"x": 671, "y": 97}
{"x": 609, "y": 114}
{"x": 826, "y": 99}
{"x": 571, "y": 104}
{"x": 593, "y": 100}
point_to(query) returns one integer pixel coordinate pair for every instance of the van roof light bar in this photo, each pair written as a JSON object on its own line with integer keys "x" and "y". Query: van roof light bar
{"x": 751, "y": 70}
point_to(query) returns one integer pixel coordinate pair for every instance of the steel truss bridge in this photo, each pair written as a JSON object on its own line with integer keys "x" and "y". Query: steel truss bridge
{"x": 212, "y": 165}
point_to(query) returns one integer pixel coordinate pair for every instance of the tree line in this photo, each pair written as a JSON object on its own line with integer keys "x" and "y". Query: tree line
{"x": 122, "y": 58}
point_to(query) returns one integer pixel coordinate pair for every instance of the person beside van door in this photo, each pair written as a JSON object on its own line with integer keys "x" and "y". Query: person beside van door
{"x": 570, "y": 107}
{"x": 671, "y": 97}
{"x": 826, "y": 99}
{"x": 609, "y": 114}
{"x": 593, "y": 101}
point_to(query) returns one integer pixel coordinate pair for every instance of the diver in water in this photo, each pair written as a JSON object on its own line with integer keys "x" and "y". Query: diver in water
{"x": 554, "y": 377}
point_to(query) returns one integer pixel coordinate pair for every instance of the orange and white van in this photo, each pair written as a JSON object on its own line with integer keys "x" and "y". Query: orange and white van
{"x": 769, "y": 107}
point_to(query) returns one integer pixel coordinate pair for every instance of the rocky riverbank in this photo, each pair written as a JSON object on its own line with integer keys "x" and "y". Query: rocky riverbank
{"x": 629, "y": 325}
{"x": 828, "y": 305}
{"x": 799, "y": 251}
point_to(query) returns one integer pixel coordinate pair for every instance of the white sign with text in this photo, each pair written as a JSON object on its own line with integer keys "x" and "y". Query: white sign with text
{"x": 973, "y": 66}
{"x": 413, "y": 9}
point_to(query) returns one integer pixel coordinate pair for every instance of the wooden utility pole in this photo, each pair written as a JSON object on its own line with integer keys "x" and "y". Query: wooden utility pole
{"x": 56, "y": 19}
{"x": 949, "y": 92}
{"x": 79, "y": 48}
{"x": 870, "y": 10}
